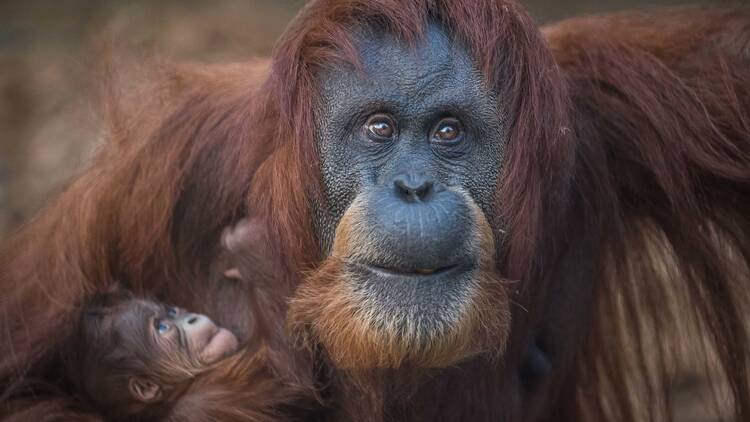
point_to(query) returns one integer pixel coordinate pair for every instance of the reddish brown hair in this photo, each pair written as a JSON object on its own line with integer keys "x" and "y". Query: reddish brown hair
{"x": 632, "y": 129}
{"x": 663, "y": 116}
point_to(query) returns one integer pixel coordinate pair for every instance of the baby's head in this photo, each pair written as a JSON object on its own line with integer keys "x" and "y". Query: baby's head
{"x": 134, "y": 357}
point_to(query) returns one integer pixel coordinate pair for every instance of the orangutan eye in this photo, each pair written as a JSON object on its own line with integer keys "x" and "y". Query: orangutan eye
{"x": 448, "y": 131}
{"x": 380, "y": 128}
{"x": 173, "y": 312}
{"x": 162, "y": 327}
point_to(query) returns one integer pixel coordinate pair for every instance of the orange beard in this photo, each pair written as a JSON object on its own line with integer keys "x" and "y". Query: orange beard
{"x": 328, "y": 311}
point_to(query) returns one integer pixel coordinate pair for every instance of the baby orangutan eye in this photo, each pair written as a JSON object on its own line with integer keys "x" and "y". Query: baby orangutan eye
{"x": 173, "y": 312}
{"x": 162, "y": 327}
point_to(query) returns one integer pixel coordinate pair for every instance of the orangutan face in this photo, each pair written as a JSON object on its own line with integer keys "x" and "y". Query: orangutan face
{"x": 411, "y": 151}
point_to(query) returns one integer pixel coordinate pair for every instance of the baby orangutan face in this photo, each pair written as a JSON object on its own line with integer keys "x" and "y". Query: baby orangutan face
{"x": 130, "y": 352}
{"x": 177, "y": 331}
{"x": 175, "y": 337}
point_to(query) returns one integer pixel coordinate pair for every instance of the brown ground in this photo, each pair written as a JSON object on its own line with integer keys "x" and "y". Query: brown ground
{"x": 47, "y": 49}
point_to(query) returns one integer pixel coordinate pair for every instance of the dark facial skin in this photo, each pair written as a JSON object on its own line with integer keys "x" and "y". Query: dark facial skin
{"x": 415, "y": 142}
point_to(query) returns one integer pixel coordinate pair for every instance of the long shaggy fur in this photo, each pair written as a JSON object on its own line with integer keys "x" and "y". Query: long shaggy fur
{"x": 664, "y": 122}
{"x": 244, "y": 388}
{"x": 632, "y": 128}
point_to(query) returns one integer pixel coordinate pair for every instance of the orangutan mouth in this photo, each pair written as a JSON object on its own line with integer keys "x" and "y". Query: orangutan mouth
{"x": 416, "y": 272}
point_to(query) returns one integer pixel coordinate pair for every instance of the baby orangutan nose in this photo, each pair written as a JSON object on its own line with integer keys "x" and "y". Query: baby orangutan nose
{"x": 209, "y": 341}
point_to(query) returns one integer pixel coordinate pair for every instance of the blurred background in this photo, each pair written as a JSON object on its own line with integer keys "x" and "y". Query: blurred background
{"x": 48, "y": 123}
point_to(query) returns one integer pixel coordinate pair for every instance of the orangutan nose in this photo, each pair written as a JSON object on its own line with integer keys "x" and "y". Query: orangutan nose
{"x": 414, "y": 188}
{"x": 193, "y": 322}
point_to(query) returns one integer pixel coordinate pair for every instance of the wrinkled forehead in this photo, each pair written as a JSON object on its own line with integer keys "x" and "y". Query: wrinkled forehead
{"x": 388, "y": 59}
{"x": 402, "y": 73}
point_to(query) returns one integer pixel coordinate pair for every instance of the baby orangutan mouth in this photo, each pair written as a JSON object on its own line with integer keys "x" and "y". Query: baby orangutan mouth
{"x": 220, "y": 345}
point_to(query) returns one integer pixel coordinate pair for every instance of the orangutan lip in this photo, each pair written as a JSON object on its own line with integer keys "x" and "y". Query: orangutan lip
{"x": 221, "y": 337}
{"x": 417, "y": 272}
{"x": 213, "y": 334}
{"x": 211, "y": 337}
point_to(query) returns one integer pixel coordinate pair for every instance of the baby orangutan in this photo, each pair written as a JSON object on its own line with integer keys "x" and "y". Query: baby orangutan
{"x": 130, "y": 355}
{"x": 132, "y": 358}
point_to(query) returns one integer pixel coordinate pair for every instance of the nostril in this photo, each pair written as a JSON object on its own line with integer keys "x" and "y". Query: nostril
{"x": 413, "y": 190}
{"x": 424, "y": 190}
{"x": 402, "y": 187}
{"x": 192, "y": 320}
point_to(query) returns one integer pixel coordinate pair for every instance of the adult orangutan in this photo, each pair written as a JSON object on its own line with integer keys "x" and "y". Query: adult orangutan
{"x": 474, "y": 220}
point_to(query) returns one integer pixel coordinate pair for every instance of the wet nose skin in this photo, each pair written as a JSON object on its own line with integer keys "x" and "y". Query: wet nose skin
{"x": 419, "y": 227}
